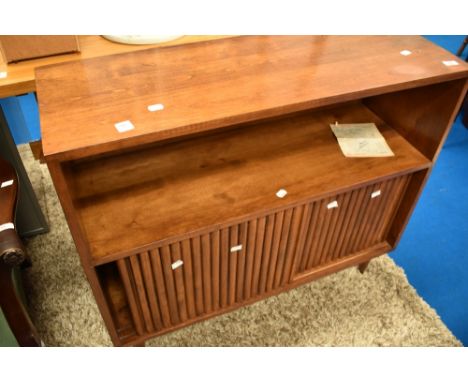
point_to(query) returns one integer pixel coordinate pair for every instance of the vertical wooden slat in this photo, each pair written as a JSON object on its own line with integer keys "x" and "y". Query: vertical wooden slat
{"x": 270, "y": 225}
{"x": 323, "y": 222}
{"x": 397, "y": 195}
{"x": 179, "y": 281}
{"x": 160, "y": 287}
{"x": 305, "y": 224}
{"x": 206, "y": 269}
{"x": 282, "y": 248}
{"x": 188, "y": 278}
{"x": 329, "y": 226}
{"x": 224, "y": 283}
{"x": 292, "y": 243}
{"x": 332, "y": 228}
{"x": 353, "y": 223}
{"x": 275, "y": 249}
{"x": 151, "y": 289}
{"x": 198, "y": 275}
{"x": 170, "y": 285}
{"x": 338, "y": 232}
{"x": 351, "y": 213}
{"x": 359, "y": 220}
{"x": 215, "y": 267}
{"x": 387, "y": 190}
{"x": 141, "y": 293}
{"x": 259, "y": 244}
{"x": 233, "y": 241}
{"x": 372, "y": 209}
{"x": 134, "y": 309}
{"x": 245, "y": 279}
{"x": 314, "y": 227}
{"x": 381, "y": 205}
{"x": 241, "y": 256}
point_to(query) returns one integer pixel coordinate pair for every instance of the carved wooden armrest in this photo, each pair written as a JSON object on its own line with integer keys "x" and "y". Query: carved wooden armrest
{"x": 11, "y": 249}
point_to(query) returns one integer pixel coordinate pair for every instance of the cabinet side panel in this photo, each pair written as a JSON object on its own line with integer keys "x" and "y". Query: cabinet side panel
{"x": 63, "y": 184}
{"x": 422, "y": 115}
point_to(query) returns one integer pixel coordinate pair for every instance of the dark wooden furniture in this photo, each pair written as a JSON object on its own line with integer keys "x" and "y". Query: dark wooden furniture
{"x": 177, "y": 220}
{"x": 12, "y": 256}
{"x": 29, "y": 218}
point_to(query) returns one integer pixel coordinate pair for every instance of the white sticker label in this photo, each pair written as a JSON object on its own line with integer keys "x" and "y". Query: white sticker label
{"x": 281, "y": 193}
{"x": 177, "y": 264}
{"x": 375, "y": 194}
{"x": 450, "y": 63}
{"x": 6, "y": 226}
{"x": 405, "y": 52}
{"x": 333, "y": 204}
{"x": 3, "y": 74}
{"x": 156, "y": 107}
{"x": 236, "y": 248}
{"x": 7, "y": 183}
{"x": 124, "y": 126}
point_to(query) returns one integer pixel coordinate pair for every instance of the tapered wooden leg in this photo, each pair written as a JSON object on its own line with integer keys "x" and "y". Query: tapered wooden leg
{"x": 363, "y": 266}
{"x": 139, "y": 344}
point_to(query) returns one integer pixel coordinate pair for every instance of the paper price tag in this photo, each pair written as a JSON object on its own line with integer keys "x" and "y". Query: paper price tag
{"x": 6, "y": 226}
{"x": 450, "y": 63}
{"x": 333, "y": 204}
{"x": 236, "y": 248}
{"x": 177, "y": 264}
{"x": 7, "y": 183}
{"x": 156, "y": 107}
{"x": 124, "y": 126}
{"x": 281, "y": 193}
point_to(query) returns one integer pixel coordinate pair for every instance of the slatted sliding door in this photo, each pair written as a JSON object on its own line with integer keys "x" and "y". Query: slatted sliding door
{"x": 186, "y": 280}
{"x": 348, "y": 223}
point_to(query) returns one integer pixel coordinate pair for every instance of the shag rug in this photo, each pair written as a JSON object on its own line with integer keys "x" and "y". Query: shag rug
{"x": 378, "y": 308}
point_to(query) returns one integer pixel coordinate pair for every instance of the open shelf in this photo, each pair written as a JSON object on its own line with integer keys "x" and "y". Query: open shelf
{"x": 133, "y": 199}
{"x": 114, "y": 293}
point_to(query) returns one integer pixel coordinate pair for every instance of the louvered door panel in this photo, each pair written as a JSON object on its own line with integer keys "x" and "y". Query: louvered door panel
{"x": 348, "y": 223}
{"x": 195, "y": 277}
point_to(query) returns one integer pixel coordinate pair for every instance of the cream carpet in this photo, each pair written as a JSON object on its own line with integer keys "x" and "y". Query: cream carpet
{"x": 378, "y": 308}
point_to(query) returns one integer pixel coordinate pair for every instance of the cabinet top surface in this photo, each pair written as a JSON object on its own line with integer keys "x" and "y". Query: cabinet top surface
{"x": 213, "y": 84}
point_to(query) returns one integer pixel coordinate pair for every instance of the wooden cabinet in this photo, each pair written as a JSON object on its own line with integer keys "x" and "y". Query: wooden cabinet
{"x": 178, "y": 282}
{"x": 178, "y": 218}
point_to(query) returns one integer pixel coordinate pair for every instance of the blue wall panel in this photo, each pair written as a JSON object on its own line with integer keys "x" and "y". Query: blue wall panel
{"x": 22, "y": 115}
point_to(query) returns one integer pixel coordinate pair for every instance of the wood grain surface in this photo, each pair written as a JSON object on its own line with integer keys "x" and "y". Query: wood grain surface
{"x": 20, "y": 77}
{"x": 213, "y": 84}
{"x": 196, "y": 181}
{"x": 132, "y": 199}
